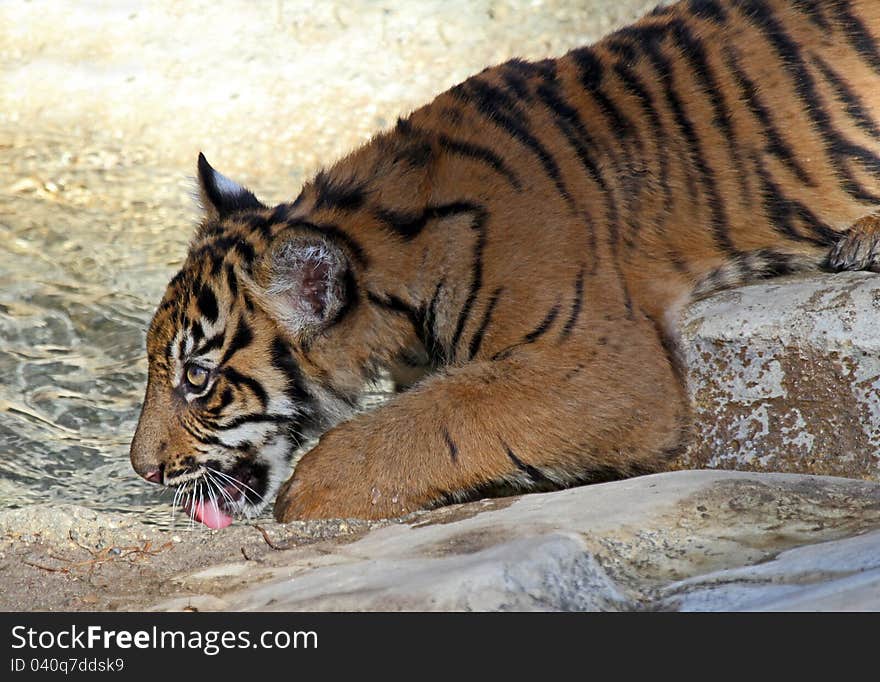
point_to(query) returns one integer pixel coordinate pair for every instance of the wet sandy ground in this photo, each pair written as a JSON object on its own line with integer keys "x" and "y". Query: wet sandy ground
{"x": 103, "y": 109}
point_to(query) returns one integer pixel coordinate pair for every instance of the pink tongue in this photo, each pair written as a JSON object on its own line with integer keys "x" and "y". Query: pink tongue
{"x": 210, "y": 514}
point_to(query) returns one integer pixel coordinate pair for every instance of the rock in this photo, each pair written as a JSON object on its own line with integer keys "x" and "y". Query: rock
{"x": 60, "y": 524}
{"x": 842, "y": 575}
{"x": 785, "y": 376}
{"x": 694, "y": 540}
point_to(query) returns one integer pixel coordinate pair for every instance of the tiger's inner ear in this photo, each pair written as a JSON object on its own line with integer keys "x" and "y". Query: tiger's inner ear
{"x": 303, "y": 283}
{"x": 221, "y": 195}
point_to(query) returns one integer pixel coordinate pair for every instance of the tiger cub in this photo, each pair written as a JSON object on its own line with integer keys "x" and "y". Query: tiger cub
{"x": 531, "y": 234}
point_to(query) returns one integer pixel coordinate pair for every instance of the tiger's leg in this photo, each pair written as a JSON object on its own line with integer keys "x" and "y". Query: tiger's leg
{"x": 557, "y": 414}
{"x": 859, "y": 248}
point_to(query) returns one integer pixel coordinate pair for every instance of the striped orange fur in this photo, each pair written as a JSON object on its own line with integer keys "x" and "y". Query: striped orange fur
{"x": 527, "y": 239}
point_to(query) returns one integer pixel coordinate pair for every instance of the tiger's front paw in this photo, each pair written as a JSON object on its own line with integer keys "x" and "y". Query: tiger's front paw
{"x": 326, "y": 486}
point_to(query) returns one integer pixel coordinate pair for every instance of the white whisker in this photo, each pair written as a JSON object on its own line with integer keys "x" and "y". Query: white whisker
{"x": 241, "y": 486}
{"x": 222, "y": 489}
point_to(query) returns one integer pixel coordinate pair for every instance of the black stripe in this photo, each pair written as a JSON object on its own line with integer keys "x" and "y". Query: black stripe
{"x": 502, "y": 110}
{"x": 395, "y": 303}
{"x": 338, "y": 194}
{"x": 477, "y": 339}
{"x": 416, "y": 154}
{"x": 670, "y": 349}
{"x": 217, "y": 258}
{"x": 207, "y": 439}
{"x": 226, "y": 397}
{"x": 515, "y": 77}
{"x": 420, "y": 317}
{"x": 181, "y": 345}
{"x": 533, "y": 335}
{"x": 167, "y": 304}
{"x": 783, "y": 211}
{"x": 860, "y": 39}
{"x": 591, "y": 74}
{"x": 692, "y": 49}
{"x": 435, "y": 351}
{"x": 575, "y": 306}
{"x": 453, "y": 448}
{"x": 211, "y": 344}
{"x": 417, "y": 151}
{"x": 404, "y": 225}
{"x": 476, "y": 277}
{"x": 840, "y": 151}
{"x": 410, "y": 225}
{"x": 813, "y": 10}
{"x": 258, "y": 224}
{"x": 218, "y": 248}
{"x": 248, "y": 302}
{"x": 241, "y": 339}
{"x": 284, "y": 362}
{"x": 635, "y": 87}
{"x": 349, "y": 296}
{"x": 482, "y": 154}
{"x": 567, "y": 119}
{"x": 206, "y": 301}
{"x": 853, "y": 104}
{"x": 258, "y": 417}
{"x": 569, "y": 122}
{"x": 544, "y": 325}
{"x": 647, "y": 38}
{"x": 776, "y": 143}
{"x": 532, "y": 472}
{"x": 708, "y": 9}
{"x": 231, "y": 280}
{"x": 236, "y": 378}
{"x": 177, "y": 279}
{"x": 196, "y": 332}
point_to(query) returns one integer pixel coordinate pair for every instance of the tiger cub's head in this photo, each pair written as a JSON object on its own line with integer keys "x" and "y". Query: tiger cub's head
{"x": 245, "y": 358}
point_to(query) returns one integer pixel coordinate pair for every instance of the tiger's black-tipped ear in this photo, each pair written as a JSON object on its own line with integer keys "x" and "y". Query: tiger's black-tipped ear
{"x": 304, "y": 283}
{"x": 222, "y": 196}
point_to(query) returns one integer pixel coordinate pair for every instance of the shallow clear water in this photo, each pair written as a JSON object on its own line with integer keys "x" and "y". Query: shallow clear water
{"x": 81, "y": 267}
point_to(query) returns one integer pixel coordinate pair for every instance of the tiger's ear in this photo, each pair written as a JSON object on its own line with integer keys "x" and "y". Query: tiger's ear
{"x": 303, "y": 282}
{"x": 222, "y": 196}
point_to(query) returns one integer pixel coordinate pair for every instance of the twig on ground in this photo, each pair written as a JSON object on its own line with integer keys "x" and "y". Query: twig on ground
{"x": 274, "y": 545}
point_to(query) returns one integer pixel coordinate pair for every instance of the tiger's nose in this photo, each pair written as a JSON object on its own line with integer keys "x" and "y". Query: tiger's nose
{"x": 154, "y": 475}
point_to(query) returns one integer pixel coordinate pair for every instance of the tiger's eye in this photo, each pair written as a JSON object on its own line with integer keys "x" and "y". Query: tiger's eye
{"x": 196, "y": 376}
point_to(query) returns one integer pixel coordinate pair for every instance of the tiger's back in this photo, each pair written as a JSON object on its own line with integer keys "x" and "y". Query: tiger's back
{"x": 532, "y": 234}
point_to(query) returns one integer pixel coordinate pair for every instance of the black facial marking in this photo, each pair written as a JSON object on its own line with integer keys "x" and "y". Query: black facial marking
{"x": 206, "y": 300}
{"x": 238, "y": 379}
{"x": 283, "y": 360}
{"x": 241, "y": 339}
{"x": 213, "y": 343}
{"x": 231, "y": 280}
